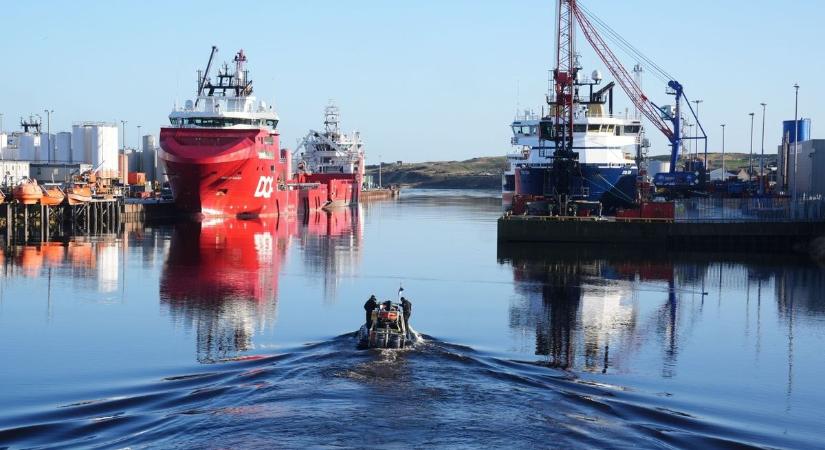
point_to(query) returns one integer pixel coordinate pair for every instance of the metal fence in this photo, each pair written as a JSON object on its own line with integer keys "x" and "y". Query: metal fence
{"x": 806, "y": 209}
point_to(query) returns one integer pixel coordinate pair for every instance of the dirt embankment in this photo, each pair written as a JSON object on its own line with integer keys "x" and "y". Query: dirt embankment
{"x": 476, "y": 173}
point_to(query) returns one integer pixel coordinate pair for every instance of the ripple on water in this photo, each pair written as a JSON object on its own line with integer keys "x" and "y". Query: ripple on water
{"x": 328, "y": 393}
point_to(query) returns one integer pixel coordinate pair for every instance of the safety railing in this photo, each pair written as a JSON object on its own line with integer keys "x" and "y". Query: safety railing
{"x": 805, "y": 209}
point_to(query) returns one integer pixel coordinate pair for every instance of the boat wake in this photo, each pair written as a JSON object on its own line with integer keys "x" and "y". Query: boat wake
{"x": 330, "y": 394}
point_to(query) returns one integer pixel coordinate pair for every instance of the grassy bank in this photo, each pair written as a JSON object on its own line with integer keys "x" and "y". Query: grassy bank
{"x": 476, "y": 173}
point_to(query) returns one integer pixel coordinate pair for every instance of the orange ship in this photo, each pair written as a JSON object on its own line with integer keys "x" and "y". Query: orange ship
{"x": 28, "y": 192}
{"x": 52, "y": 196}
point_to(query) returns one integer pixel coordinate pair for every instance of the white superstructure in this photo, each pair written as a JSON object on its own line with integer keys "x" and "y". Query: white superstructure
{"x": 228, "y": 103}
{"x": 331, "y": 151}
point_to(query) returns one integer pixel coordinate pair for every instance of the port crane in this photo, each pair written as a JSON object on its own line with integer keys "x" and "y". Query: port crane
{"x": 666, "y": 119}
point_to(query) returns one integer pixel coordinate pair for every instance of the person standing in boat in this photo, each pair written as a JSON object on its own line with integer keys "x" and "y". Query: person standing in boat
{"x": 369, "y": 307}
{"x": 406, "y": 306}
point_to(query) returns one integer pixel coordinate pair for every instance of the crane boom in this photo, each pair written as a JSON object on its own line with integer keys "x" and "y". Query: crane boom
{"x": 625, "y": 80}
{"x": 202, "y": 81}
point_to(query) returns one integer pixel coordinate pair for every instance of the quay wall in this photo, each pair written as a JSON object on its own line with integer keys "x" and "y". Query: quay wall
{"x": 779, "y": 234}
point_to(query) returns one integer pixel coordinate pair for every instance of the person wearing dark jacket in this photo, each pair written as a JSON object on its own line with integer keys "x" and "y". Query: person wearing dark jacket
{"x": 406, "y": 306}
{"x": 369, "y": 306}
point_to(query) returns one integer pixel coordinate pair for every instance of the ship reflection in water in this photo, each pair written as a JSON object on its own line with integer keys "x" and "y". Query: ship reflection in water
{"x": 601, "y": 310}
{"x": 221, "y": 276}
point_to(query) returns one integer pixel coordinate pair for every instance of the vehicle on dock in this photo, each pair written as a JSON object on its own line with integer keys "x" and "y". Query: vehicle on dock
{"x": 387, "y": 329}
{"x": 28, "y": 192}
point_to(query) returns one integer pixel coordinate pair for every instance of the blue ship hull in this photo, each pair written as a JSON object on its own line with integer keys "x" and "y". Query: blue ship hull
{"x": 612, "y": 186}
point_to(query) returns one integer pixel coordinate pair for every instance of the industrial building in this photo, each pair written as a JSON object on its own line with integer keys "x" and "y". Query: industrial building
{"x": 803, "y": 160}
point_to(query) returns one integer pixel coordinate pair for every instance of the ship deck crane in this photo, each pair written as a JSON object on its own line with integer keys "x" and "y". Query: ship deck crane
{"x": 669, "y": 123}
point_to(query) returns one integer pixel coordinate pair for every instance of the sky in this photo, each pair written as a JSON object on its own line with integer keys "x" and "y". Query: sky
{"x": 421, "y": 80}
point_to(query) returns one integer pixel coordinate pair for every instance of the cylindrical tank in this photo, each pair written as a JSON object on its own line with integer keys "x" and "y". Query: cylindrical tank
{"x": 27, "y": 147}
{"x": 803, "y": 130}
{"x": 46, "y": 144}
{"x": 4, "y": 145}
{"x": 655, "y": 167}
{"x": 63, "y": 147}
{"x": 134, "y": 160}
{"x": 148, "y": 142}
{"x": 81, "y": 143}
{"x": 149, "y": 163}
{"x": 123, "y": 167}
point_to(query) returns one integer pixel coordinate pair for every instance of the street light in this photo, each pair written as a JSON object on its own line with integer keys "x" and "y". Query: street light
{"x": 762, "y": 158}
{"x": 123, "y": 127}
{"x": 138, "y": 143}
{"x": 724, "y": 173}
{"x": 379, "y": 172}
{"x": 49, "y": 133}
{"x": 750, "y": 160}
{"x": 795, "y": 139}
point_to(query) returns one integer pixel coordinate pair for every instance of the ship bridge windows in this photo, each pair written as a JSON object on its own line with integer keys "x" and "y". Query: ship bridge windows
{"x": 525, "y": 130}
{"x": 221, "y": 122}
{"x": 580, "y": 128}
{"x": 594, "y": 128}
{"x": 632, "y": 129}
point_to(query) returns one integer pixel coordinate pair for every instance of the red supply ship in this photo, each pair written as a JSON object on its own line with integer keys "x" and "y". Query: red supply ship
{"x": 333, "y": 160}
{"x": 222, "y": 152}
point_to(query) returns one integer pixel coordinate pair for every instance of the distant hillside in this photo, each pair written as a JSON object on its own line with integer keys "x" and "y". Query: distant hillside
{"x": 732, "y": 160}
{"x": 485, "y": 172}
{"x": 476, "y": 173}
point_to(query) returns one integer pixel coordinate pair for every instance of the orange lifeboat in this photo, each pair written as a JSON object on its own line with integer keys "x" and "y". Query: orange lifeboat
{"x": 28, "y": 192}
{"x": 52, "y": 196}
{"x": 79, "y": 193}
{"x": 2, "y": 197}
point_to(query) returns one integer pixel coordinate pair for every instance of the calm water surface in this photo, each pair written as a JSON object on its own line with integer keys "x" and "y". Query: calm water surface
{"x": 239, "y": 334}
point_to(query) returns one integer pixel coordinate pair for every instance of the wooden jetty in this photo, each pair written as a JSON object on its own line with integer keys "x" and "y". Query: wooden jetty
{"x": 39, "y": 222}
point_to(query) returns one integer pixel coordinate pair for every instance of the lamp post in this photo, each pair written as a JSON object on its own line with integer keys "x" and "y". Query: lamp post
{"x": 49, "y": 133}
{"x": 138, "y": 143}
{"x": 795, "y": 140}
{"x": 379, "y": 172}
{"x": 724, "y": 172}
{"x": 750, "y": 159}
{"x": 123, "y": 127}
{"x": 762, "y": 158}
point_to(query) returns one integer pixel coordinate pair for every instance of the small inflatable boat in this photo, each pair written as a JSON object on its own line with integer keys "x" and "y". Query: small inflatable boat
{"x": 387, "y": 330}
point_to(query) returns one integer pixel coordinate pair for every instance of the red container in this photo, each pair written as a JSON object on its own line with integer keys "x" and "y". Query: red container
{"x": 628, "y": 213}
{"x": 658, "y": 210}
{"x": 136, "y": 178}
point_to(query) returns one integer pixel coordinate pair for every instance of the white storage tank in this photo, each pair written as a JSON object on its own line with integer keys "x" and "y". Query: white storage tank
{"x": 63, "y": 147}
{"x": 104, "y": 149}
{"x": 46, "y": 153}
{"x": 81, "y": 143}
{"x": 4, "y": 145}
{"x": 28, "y": 147}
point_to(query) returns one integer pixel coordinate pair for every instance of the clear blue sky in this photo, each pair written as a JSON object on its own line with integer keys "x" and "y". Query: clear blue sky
{"x": 422, "y": 80}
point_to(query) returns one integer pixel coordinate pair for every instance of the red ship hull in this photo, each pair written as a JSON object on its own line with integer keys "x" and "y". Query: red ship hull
{"x": 227, "y": 172}
{"x": 340, "y": 189}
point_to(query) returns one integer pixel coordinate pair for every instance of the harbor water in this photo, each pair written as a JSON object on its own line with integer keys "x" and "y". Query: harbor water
{"x": 240, "y": 334}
